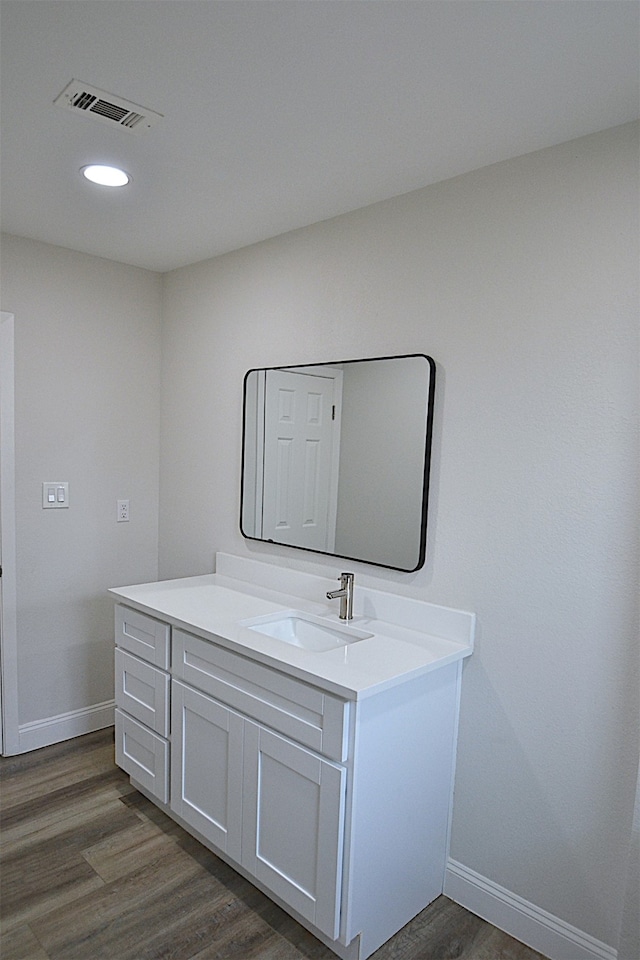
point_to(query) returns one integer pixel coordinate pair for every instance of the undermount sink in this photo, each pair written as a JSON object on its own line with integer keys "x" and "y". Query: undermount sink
{"x": 305, "y": 630}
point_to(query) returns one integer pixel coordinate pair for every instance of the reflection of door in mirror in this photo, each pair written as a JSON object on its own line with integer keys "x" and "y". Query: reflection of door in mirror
{"x": 301, "y": 449}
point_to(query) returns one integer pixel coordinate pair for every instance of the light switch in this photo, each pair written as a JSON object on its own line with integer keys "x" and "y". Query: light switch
{"x": 55, "y": 494}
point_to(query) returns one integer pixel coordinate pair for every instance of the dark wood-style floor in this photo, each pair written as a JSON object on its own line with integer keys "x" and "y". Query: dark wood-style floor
{"x": 90, "y": 870}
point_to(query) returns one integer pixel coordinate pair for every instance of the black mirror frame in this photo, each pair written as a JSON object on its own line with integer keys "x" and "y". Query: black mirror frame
{"x": 427, "y": 459}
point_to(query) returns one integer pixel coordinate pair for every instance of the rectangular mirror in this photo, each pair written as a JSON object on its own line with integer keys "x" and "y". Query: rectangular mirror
{"x": 336, "y": 458}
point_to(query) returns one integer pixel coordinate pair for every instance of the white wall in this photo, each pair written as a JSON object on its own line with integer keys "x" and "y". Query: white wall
{"x": 521, "y": 281}
{"x": 87, "y": 405}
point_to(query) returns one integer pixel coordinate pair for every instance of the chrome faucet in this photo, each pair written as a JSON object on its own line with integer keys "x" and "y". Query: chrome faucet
{"x": 346, "y": 595}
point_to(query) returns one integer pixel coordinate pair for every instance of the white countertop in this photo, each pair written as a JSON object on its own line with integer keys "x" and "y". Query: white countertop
{"x": 213, "y": 605}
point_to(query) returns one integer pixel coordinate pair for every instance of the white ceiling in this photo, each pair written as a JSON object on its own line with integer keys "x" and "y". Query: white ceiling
{"x": 281, "y": 114}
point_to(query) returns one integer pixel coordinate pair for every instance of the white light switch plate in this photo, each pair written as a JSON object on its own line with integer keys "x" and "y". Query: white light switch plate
{"x": 55, "y": 494}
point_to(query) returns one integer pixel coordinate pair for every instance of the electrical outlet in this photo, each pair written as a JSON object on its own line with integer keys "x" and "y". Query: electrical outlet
{"x": 123, "y": 511}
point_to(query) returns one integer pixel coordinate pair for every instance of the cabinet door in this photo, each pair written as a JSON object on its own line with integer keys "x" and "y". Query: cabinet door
{"x": 293, "y": 825}
{"x": 206, "y": 767}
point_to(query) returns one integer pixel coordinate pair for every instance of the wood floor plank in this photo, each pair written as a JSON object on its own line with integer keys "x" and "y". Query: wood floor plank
{"x": 44, "y": 771}
{"x": 205, "y": 927}
{"x": 260, "y": 929}
{"x": 446, "y": 931}
{"x": 119, "y": 919}
{"x": 252, "y": 941}
{"x": 34, "y": 885}
{"x": 493, "y": 944}
{"x": 118, "y": 856}
{"x": 47, "y": 868}
{"x": 42, "y": 846}
{"x": 74, "y": 810}
{"x": 442, "y": 930}
{"x": 21, "y": 943}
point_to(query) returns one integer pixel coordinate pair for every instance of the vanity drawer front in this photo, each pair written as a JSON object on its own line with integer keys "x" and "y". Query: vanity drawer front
{"x": 289, "y": 706}
{"x": 142, "y": 635}
{"x": 143, "y": 691}
{"x": 143, "y": 755}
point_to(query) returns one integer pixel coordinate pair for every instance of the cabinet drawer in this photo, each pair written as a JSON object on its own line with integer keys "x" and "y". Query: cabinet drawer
{"x": 143, "y": 755}
{"x": 300, "y": 711}
{"x": 143, "y": 691}
{"x": 142, "y": 635}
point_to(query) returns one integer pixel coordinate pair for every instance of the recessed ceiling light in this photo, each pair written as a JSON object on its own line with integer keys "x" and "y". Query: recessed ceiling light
{"x": 106, "y": 176}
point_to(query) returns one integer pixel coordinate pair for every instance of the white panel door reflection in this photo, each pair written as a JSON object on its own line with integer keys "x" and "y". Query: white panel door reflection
{"x": 301, "y": 448}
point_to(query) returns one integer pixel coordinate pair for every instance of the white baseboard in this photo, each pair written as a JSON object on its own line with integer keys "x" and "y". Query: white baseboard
{"x": 520, "y": 919}
{"x": 42, "y": 733}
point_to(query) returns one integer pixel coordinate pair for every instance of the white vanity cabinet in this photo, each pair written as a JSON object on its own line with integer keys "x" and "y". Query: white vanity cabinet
{"x": 324, "y": 778}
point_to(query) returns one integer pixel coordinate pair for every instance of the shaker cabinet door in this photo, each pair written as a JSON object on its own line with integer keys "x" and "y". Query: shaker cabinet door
{"x": 206, "y": 767}
{"x": 293, "y": 825}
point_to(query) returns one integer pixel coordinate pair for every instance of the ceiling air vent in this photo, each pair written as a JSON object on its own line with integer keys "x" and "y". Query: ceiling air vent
{"x": 104, "y": 106}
